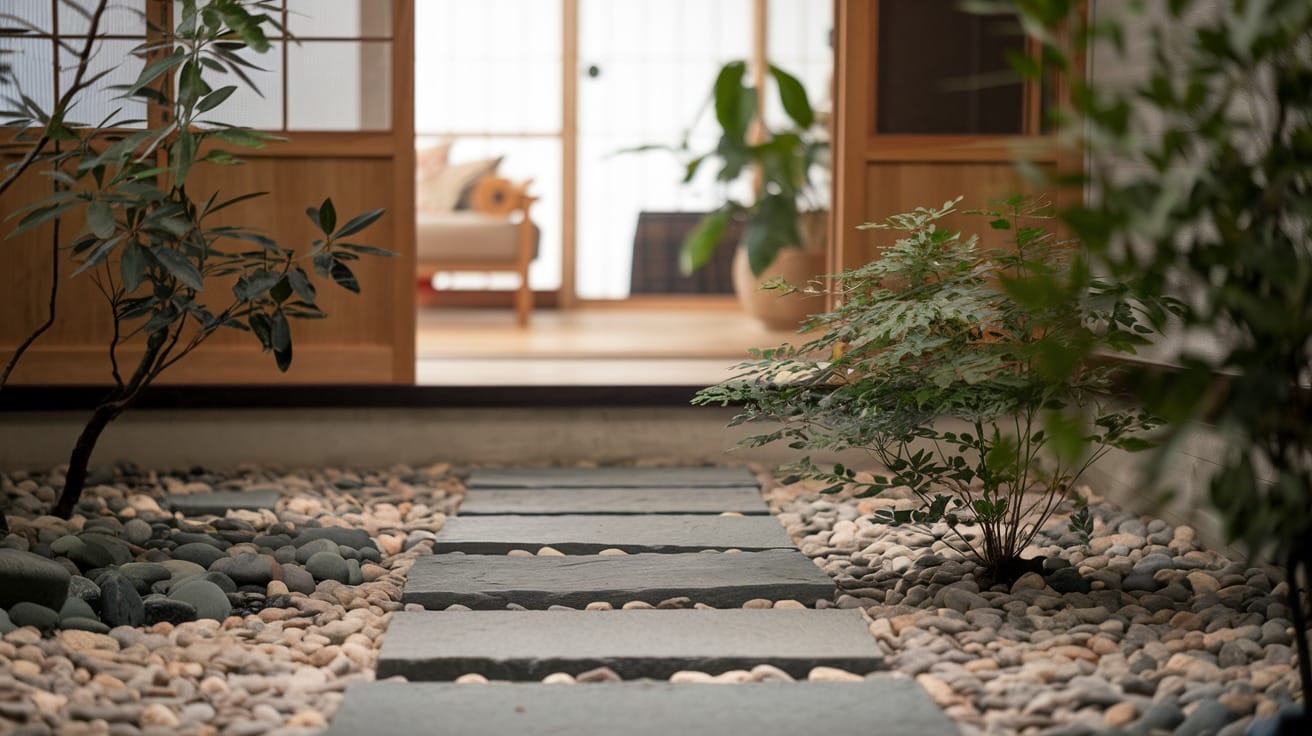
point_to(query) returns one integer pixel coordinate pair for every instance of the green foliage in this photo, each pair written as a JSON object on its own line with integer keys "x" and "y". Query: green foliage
{"x": 1215, "y": 205}
{"x": 151, "y": 241}
{"x": 947, "y": 381}
{"x": 784, "y": 157}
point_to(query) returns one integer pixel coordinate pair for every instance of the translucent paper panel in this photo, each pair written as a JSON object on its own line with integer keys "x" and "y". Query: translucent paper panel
{"x": 339, "y": 85}
{"x": 31, "y": 72}
{"x": 798, "y": 41}
{"x": 654, "y": 63}
{"x": 340, "y": 18}
{"x": 488, "y": 67}
{"x": 99, "y": 103}
{"x": 33, "y": 14}
{"x": 522, "y": 158}
{"x": 248, "y": 107}
{"x": 121, "y": 17}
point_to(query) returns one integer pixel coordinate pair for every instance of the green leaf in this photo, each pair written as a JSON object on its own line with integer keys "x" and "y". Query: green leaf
{"x": 99, "y": 255}
{"x": 132, "y": 265}
{"x": 301, "y": 284}
{"x": 179, "y": 266}
{"x": 793, "y": 96}
{"x": 327, "y": 217}
{"x": 155, "y": 70}
{"x": 216, "y": 98}
{"x": 100, "y": 219}
{"x": 732, "y": 108}
{"x": 367, "y": 250}
{"x": 345, "y": 278}
{"x": 359, "y": 223}
{"x": 44, "y": 214}
{"x": 703, "y": 240}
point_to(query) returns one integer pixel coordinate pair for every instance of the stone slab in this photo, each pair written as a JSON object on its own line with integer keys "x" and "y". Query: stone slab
{"x": 588, "y": 534}
{"x": 219, "y": 502}
{"x": 878, "y": 705}
{"x": 529, "y": 645}
{"x": 611, "y": 477}
{"x": 723, "y": 580}
{"x": 555, "y": 501}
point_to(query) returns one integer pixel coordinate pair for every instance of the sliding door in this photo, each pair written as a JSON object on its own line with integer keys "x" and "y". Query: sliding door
{"x": 342, "y": 94}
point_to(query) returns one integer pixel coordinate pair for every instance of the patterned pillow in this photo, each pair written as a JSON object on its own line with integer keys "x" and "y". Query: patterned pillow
{"x": 449, "y": 188}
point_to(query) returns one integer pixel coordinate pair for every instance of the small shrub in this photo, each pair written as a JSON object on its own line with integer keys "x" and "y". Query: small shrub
{"x": 950, "y": 384}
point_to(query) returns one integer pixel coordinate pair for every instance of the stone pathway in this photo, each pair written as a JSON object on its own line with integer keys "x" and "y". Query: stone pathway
{"x": 710, "y": 566}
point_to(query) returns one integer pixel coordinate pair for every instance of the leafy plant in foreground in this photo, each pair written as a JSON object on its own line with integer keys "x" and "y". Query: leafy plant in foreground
{"x": 149, "y": 242}
{"x": 1204, "y": 174}
{"x": 949, "y": 383}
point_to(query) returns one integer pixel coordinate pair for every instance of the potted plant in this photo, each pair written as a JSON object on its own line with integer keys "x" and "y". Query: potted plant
{"x": 784, "y": 224}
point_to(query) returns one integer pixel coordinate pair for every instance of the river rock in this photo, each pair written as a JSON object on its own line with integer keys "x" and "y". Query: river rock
{"x": 120, "y": 603}
{"x": 328, "y": 566}
{"x": 27, "y": 613}
{"x": 199, "y": 553}
{"x": 247, "y": 568}
{"x": 208, "y": 599}
{"x": 25, "y": 576}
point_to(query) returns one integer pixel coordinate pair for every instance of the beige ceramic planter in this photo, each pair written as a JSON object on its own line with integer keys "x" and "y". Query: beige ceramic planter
{"x": 797, "y": 266}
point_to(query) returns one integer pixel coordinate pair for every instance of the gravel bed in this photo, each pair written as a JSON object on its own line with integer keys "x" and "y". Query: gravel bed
{"x": 252, "y": 623}
{"x": 1141, "y": 631}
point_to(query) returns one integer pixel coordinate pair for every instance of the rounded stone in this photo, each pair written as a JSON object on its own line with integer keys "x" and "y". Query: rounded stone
{"x": 120, "y": 603}
{"x": 247, "y": 568}
{"x": 169, "y": 610}
{"x": 137, "y": 532}
{"x": 208, "y": 599}
{"x": 328, "y": 566}
{"x": 297, "y": 579}
{"x": 76, "y": 608}
{"x": 144, "y": 574}
{"x": 82, "y": 623}
{"x": 314, "y": 547}
{"x": 84, "y": 589}
{"x": 199, "y": 553}
{"x": 27, "y": 613}
{"x": 353, "y": 538}
{"x": 25, "y": 576}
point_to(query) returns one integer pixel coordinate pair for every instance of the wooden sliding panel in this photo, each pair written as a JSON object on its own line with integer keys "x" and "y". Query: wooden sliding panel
{"x": 368, "y": 337}
{"x": 926, "y": 110}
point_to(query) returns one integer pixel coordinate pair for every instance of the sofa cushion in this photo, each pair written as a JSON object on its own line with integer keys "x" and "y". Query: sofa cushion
{"x": 465, "y": 236}
{"x": 444, "y": 190}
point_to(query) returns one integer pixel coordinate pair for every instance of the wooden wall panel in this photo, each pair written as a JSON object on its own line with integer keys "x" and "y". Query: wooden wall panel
{"x": 367, "y": 338}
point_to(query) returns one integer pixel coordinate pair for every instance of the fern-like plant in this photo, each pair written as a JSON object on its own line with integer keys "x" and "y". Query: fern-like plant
{"x": 930, "y": 367}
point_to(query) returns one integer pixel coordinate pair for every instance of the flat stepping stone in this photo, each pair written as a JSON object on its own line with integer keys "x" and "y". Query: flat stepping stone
{"x": 610, "y": 477}
{"x": 723, "y": 580}
{"x": 554, "y": 501}
{"x": 529, "y": 645}
{"x": 884, "y": 705}
{"x": 583, "y": 534}
{"x": 219, "y": 503}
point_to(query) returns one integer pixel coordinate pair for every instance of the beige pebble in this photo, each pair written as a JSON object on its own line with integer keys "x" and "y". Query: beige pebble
{"x": 637, "y": 605}
{"x": 599, "y": 606}
{"x": 82, "y": 641}
{"x": 158, "y": 714}
{"x": 558, "y": 678}
{"x": 24, "y": 669}
{"x": 980, "y": 665}
{"x": 612, "y": 552}
{"x": 690, "y": 676}
{"x": 768, "y": 673}
{"x": 550, "y": 552}
{"x": 1121, "y": 715}
{"x": 519, "y": 553}
{"x": 789, "y": 603}
{"x": 307, "y": 719}
{"x": 832, "y": 674}
{"x": 939, "y": 690}
{"x": 213, "y": 685}
{"x": 49, "y": 703}
{"x": 276, "y": 587}
{"x": 471, "y": 678}
{"x": 759, "y": 603}
{"x": 732, "y": 676}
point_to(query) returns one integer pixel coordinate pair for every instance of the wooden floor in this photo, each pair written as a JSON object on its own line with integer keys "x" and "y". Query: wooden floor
{"x": 682, "y": 344}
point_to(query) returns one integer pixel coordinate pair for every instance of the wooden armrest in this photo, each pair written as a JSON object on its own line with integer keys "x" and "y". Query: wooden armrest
{"x": 493, "y": 195}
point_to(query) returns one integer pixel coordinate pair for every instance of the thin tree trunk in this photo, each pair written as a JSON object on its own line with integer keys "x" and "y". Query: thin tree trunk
{"x": 76, "y": 477}
{"x": 1297, "y": 603}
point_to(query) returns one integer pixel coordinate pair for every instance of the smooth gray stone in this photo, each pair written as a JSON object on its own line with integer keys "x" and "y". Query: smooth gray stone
{"x": 582, "y": 534}
{"x": 553, "y": 501}
{"x": 610, "y": 477}
{"x": 218, "y": 503}
{"x": 886, "y": 706}
{"x": 489, "y": 582}
{"x": 529, "y": 645}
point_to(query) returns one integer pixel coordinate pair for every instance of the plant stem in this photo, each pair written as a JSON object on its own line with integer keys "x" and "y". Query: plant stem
{"x": 1298, "y": 556}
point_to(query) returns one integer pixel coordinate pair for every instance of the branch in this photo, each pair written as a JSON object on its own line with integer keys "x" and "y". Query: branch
{"x": 50, "y": 315}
